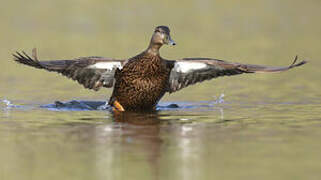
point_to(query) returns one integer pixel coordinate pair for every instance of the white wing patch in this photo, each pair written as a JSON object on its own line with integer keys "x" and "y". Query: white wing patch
{"x": 106, "y": 65}
{"x": 185, "y": 67}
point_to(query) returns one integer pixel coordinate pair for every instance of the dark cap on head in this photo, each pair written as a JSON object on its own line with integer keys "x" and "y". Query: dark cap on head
{"x": 162, "y": 28}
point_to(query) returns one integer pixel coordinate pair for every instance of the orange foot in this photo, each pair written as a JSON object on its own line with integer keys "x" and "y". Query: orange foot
{"x": 117, "y": 106}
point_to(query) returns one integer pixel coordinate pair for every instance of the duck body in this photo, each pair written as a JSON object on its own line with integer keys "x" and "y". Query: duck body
{"x": 142, "y": 82}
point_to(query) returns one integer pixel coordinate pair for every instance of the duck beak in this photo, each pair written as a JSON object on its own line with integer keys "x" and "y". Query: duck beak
{"x": 171, "y": 41}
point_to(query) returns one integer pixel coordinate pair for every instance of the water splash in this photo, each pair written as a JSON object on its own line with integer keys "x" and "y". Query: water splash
{"x": 219, "y": 100}
{"x": 103, "y": 107}
{"x": 7, "y": 104}
{"x": 77, "y": 105}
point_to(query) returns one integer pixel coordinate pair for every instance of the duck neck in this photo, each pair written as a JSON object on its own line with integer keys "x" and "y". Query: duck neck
{"x": 153, "y": 49}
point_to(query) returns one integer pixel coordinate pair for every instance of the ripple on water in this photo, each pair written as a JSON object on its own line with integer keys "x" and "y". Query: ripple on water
{"x": 85, "y": 105}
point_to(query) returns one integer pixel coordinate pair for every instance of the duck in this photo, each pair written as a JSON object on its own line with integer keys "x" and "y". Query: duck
{"x": 141, "y": 81}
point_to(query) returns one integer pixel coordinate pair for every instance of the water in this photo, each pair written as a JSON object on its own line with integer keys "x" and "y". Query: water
{"x": 242, "y": 127}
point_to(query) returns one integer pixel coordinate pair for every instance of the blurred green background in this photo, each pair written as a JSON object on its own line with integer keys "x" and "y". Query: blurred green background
{"x": 267, "y": 129}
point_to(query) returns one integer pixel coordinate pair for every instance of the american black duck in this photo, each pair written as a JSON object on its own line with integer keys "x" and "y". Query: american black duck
{"x": 141, "y": 81}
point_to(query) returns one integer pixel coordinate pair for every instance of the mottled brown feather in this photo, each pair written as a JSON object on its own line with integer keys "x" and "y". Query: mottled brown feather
{"x": 141, "y": 83}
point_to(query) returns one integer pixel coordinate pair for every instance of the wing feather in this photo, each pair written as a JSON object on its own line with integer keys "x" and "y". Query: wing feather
{"x": 92, "y": 72}
{"x": 189, "y": 71}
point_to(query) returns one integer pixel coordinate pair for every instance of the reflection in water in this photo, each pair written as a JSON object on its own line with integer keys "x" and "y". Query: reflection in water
{"x": 138, "y": 137}
{"x": 132, "y": 143}
{"x": 150, "y": 137}
{"x": 160, "y": 145}
{"x": 148, "y": 118}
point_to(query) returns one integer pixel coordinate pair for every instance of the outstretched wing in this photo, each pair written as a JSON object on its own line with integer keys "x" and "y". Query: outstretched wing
{"x": 189, "y": 71}
{"x": 91, "y": 72}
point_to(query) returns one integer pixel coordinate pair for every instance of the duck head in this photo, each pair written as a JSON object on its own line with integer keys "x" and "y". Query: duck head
{"x": 160, "y": 37}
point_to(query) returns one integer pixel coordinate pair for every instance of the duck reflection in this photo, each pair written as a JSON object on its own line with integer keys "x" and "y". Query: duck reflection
{"x": 141, "y": 144}
{"x": 137, "y": 118}
{"x": 137, "y": 136}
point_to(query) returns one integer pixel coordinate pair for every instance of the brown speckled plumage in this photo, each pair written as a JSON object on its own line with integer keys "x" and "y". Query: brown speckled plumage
{"x": 141, "y": 81}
